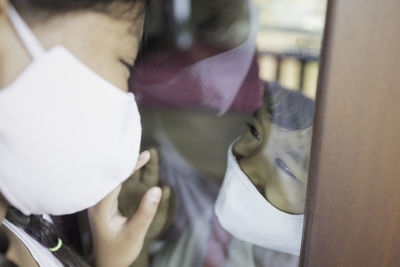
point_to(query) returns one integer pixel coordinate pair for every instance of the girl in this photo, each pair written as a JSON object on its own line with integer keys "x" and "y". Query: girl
{"x": 70, "y": 132}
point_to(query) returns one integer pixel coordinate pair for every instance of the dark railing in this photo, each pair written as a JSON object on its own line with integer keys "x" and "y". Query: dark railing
{"x": 302, "y": 56}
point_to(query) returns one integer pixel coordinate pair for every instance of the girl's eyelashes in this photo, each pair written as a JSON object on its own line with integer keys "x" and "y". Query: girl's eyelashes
{"x": 132, "y": 69}
{"x": 253, "y": 131}
{"x": 282, "y": 165}
{"x": 129, "y": 66}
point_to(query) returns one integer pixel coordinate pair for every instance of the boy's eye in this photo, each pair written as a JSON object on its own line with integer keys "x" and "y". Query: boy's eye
{"x": 253, "y": 130}
{"x": 282, "y": 165}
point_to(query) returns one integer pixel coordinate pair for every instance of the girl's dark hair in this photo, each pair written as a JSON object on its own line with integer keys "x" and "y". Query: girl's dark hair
{"x": 53, "y": 7}
{"x": 46, "y": 234}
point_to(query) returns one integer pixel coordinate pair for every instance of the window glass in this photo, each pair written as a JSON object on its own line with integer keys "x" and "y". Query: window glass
{"x": 226, "y": 91}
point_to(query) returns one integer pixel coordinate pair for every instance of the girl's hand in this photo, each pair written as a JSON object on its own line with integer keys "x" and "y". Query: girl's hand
{"x": 117, "y": 240}
{"x": 134, "y": 188}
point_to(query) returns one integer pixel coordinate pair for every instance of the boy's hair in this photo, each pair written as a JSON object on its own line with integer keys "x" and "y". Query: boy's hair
{"x": 288, "y": 109}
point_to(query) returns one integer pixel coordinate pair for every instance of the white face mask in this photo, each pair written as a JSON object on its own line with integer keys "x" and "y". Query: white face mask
{"x": 247, "y": 215}
{"x": 67, "y": 136}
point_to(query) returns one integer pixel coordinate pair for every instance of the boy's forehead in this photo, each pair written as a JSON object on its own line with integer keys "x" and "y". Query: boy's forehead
{"x": 295, "y": 144}
{"x": 293, "y": 138}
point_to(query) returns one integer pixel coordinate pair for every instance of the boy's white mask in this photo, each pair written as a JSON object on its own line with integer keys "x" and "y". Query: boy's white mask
{"x": 246, "y": 214}
{"x": 67, "y": 136}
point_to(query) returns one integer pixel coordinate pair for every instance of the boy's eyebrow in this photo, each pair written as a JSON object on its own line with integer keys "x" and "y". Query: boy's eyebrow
{"x": 262, "y": 111}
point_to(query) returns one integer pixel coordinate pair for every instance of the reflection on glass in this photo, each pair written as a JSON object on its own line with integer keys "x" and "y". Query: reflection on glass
{"x": 262, "y": 198}
{"x": 233, "y": 148}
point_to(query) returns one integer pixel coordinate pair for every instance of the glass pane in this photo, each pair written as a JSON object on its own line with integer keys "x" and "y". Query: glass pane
{"x": 226, "y": 96}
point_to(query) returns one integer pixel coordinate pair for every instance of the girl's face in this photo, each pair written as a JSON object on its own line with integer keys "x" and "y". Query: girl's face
{"x": 106, "y": 42}
{"x": 276, "y": 161}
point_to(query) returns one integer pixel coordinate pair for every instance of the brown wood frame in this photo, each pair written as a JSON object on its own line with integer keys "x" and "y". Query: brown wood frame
{"x": 352, "y": 213}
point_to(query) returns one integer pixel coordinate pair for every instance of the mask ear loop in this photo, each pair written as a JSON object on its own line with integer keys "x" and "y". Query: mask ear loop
{"x": 28, "y": 38}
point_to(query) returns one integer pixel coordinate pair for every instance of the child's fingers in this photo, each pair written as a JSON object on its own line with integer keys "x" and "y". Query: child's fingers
{"x": 161, "y": 219}
{"x": 151, "y": 172}
{"x": 165, "y": 199}
{"x": 166, "y": 194}
{"x": 129, "y": 197}
{"x": 144, "y": 157}
{"x": 139, "y": 224}
{"x": 167, "y": 205}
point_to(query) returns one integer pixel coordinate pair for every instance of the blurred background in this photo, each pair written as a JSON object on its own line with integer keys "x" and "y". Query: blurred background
{"x": 289, "y": 34}
{"x": 289, "y": 42}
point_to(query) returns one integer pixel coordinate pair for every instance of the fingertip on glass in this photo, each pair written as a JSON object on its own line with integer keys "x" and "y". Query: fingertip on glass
{"x": 144, "y": 155}
{"x": 154, "y": 194}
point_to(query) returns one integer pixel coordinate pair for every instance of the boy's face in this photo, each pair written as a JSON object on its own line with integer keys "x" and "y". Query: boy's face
{"x": 276, "y": 161}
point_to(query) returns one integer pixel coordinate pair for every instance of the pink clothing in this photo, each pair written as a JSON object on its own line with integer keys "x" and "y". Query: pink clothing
{"x": 165, "y": 80}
